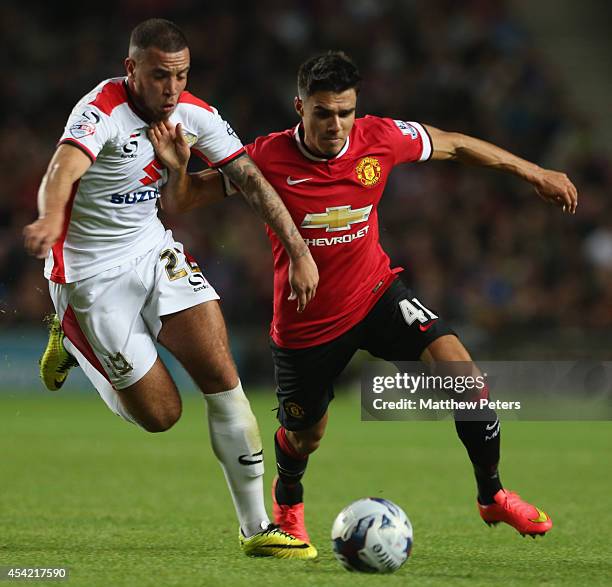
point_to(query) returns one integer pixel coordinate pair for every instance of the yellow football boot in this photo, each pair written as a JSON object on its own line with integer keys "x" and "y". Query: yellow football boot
{"x": 275, "y": 542}
{"x": 56, "y": 362}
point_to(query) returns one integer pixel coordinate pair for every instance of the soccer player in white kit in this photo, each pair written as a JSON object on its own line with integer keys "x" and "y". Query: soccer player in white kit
{"x": 119, "y": 281}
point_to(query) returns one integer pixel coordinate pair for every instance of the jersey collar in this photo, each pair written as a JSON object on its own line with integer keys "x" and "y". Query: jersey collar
{"x": 304, "y": 150}
{"x": 133, "y": 107}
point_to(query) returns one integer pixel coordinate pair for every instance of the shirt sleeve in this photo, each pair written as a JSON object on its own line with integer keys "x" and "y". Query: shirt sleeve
{"x": 217, "y": 142}
{"x": 88, "y": 129}
{"x": 409, "y": 141}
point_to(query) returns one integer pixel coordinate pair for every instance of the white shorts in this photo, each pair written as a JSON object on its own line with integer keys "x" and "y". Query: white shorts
{"x": 113, "y": 319}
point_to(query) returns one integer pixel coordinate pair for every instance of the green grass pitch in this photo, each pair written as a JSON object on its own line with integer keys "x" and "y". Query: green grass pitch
{"x": 118, "y": 506}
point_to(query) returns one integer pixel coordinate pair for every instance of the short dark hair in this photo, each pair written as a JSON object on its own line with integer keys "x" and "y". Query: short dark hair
{"x": 333, "y": 71}
{"x": 160, "y": 33}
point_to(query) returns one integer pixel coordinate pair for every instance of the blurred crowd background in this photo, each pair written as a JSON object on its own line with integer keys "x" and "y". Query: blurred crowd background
{"x": 514, "y": 276}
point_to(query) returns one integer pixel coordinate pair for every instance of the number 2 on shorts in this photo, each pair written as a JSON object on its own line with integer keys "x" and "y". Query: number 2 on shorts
{"x": 171, "y": 262}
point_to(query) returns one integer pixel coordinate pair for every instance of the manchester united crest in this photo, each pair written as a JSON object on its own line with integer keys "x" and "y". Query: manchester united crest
{"x": 294, "y": 410}
{"x": 368, "y": 171}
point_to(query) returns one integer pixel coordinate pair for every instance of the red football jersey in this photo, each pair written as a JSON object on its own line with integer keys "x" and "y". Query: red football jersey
{"x": 334, "y": 204}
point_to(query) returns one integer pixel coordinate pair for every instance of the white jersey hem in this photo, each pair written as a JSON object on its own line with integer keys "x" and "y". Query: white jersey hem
{"x": 95, "y": 269}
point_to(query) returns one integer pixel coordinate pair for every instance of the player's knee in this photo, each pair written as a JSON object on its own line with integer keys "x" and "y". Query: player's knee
{"x": 309, "y": 446}
{"x": 162, "y": 421}
{"x": 306, "y": 443}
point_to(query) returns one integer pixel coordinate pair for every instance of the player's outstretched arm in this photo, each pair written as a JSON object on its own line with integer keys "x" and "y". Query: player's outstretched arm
{"x": 303, "y": 273}
{"x": 67, "y": 165}
{"x": 553, "y": 187}
{"x": 183, "y": 191}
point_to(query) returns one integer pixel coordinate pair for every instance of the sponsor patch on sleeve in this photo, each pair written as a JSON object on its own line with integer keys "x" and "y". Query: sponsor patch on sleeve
{"x": 91, "y": 116}
{"x": 407, "y": 129}
{"x": 82, "y": 128}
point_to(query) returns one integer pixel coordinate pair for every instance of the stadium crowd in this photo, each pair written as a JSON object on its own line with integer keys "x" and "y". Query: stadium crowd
{"x": 479, "y": 247}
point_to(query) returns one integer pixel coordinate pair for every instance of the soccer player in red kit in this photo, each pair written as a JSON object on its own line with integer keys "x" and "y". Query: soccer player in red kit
{"x": 331, "y": 170}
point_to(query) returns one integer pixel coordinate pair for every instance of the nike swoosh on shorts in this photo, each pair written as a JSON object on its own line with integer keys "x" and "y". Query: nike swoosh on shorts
{"x": 426, "y": 327}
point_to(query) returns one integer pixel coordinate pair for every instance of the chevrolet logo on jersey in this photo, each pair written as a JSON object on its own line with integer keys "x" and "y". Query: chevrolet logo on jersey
{"x": 337, "y": 218}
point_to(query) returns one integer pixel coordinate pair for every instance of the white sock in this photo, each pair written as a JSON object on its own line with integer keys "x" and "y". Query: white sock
{"x": 235, "y": 439}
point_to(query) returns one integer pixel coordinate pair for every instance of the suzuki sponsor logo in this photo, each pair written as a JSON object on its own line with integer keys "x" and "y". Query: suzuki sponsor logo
{"x": 134, "y": 197}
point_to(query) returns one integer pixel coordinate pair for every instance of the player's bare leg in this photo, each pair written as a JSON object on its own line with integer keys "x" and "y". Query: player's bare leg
{"x": 446, "y": 348}
{"x": 482, "y": 440}
{"x": 153, "y": 401}
{"x": 307, "y": 441}
{"x": 198, "y": 339}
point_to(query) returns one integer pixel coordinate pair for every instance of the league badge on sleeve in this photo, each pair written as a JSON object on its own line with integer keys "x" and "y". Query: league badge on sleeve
{"x": 82, "y": 128}
{"x": 406, "y": 128}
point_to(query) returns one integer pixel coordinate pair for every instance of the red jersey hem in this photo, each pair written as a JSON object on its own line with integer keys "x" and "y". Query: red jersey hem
{"x": 324, "y": 339}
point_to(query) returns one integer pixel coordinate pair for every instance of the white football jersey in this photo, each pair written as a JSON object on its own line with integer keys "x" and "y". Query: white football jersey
{"x": 111, "y": 216}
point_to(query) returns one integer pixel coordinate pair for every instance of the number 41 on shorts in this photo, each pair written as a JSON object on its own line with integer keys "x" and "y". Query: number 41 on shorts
{"x": 413, "y": 310}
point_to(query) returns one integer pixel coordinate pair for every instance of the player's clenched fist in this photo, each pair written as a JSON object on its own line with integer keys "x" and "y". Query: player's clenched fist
{"x": 42, "y": 234}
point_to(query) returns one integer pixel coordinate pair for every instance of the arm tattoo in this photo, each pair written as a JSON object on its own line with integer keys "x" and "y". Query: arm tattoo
{"x": 262, "y": 197}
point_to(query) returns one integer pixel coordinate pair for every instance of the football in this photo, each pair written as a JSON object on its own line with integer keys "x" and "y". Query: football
{"x": 372, "y": 535}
